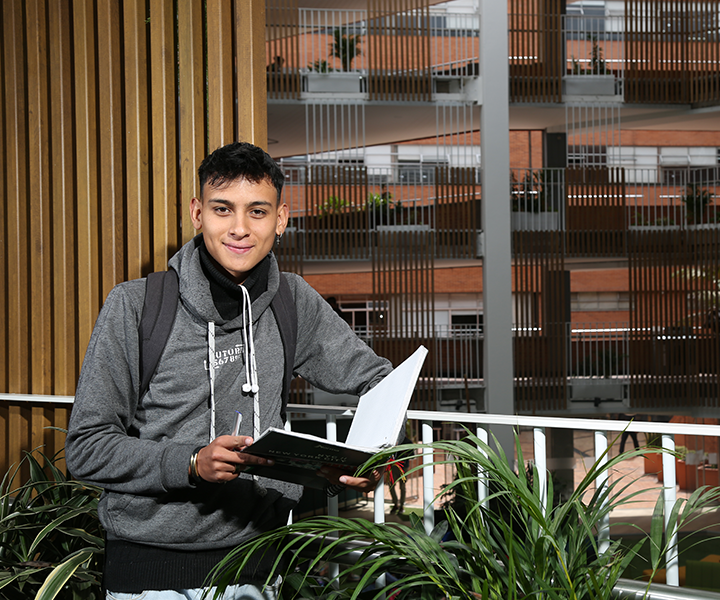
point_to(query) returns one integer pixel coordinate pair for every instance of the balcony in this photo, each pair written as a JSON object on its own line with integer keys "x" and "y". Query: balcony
{"x": 415, "y": 55}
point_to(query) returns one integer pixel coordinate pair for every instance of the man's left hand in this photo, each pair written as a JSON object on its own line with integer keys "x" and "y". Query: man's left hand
{"x": 363, "y": 484}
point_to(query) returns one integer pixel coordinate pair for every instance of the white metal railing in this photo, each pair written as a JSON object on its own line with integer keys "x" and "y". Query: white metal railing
{"x": 482, "y": 423}
{"x": 594, "y": 45}
{"x": 337, "y": 40}
{"x": 599, "y": 351}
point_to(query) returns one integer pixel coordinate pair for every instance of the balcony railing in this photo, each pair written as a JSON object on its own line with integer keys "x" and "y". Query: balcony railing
{"x": 603, "y": 433}
{"x": 392, "y": 56}
{"x": 434, "y": 426}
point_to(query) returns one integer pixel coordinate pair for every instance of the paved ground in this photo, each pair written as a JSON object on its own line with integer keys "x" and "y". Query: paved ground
{"x": 638, "y": 511}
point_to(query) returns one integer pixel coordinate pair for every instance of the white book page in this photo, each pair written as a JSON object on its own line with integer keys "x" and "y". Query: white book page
{"x": 381, "y": 411}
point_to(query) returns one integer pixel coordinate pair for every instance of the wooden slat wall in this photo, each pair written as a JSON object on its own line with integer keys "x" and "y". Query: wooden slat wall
{"x": 536, "y": 50}
{"x": 540, "y": 342}
{"x": 283, "y": 76}
{"x": 596, "y": 212}
{"x": 103, "y": 122}
{"x": 672, "y": 50}
{"x": 336, "y": 226}
{"x": 403, "y": 285}
{"x": 674, "y": 328}
{"x": 398, "y": 50}
{"x": 456, "y": 212}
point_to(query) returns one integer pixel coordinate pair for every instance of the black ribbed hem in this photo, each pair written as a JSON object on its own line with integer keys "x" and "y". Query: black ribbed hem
{"x": 133, "y": 568}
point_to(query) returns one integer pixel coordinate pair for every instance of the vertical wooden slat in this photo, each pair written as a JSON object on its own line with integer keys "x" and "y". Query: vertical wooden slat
{"x": 220, "y": 73}
{"x": 18, "y": 290}
{"x": 164, "y": 136}
{"x": 251, "y": 84}
{"x": 38, "y": 202}
{"x": 112, "y": 226}
{"x": 85, "y": 83}
{"x": 137, "y": 140}
{"x": 4, "y": 340}
{"x": 191, "y": 107}
{"x": 64, "y": 282}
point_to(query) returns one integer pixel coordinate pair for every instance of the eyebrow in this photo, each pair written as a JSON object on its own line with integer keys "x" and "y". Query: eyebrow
{"x": 249, "y": 204}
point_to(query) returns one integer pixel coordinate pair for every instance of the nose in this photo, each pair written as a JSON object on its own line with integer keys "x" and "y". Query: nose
{"x": 238, "y": 226}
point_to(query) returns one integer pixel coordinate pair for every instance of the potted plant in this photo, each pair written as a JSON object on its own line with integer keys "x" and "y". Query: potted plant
{"x": 652, "y": 455}
{"x": 595, "y": 79}
{"x": 322, "y": 77}
{"x": 708, "y": 472}
{"x": 530, "y": 198}
{"x": 696, "y": 200}
{"x": 518, "y": 543}
{"x": 51, "y": 541}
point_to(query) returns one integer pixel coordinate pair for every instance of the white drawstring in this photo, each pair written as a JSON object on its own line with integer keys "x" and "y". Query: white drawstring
{"x": 251, "y": 384}
{"x": 211, "y": 369}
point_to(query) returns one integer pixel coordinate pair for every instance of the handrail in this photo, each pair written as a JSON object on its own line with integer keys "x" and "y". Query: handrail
{"x": 601, "y": 428}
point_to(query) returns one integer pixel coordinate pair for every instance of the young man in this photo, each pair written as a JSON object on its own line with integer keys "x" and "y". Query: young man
{"x": 176, "y": 499}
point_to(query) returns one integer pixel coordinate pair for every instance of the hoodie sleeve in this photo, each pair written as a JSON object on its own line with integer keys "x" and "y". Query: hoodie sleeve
{"x": 329, "y": 353}
{"x": 102, "y": 447}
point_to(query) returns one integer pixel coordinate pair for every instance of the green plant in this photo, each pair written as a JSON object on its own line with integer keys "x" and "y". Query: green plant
{"x": 696, "y": 200}
{"x": 597, "y": 62}
{"x": 345, "y": 46}
{"x": 50, "y": 536}
{"x": 321, "y": 66}
{"x": 333, "y": 206}
{"x": 518, "y": 543}
{"x": 531, "y": 194}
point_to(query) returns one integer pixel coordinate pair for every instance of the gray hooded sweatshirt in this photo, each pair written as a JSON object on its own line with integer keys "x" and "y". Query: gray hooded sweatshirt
{"x": 138, "y": 449}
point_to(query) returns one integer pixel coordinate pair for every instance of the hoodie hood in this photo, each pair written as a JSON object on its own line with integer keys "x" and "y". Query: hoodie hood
{"x": 195, "y": 289}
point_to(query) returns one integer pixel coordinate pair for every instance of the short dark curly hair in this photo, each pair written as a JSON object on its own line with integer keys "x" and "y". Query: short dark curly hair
{"x": 240, "y": 160}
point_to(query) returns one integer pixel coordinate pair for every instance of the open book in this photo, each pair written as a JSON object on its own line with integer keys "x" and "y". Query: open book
{"x": 377, "y": 424}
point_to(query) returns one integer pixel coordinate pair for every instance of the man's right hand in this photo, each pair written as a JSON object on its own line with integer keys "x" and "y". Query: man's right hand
{"x": 222, "y": 460}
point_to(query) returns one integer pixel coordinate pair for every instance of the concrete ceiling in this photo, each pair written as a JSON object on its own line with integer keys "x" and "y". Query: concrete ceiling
{"x": 389, "y": 123}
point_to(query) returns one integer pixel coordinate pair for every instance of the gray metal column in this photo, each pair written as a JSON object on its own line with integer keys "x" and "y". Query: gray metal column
{"x": 497, "y": 259}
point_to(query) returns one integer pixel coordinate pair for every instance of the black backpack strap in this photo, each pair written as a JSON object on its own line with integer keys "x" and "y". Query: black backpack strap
{"x": 161, "y": 298}
{"x": 283, "y": 307}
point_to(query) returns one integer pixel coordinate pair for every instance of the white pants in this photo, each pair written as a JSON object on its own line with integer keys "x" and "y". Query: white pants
{"x": 234, "y": 592}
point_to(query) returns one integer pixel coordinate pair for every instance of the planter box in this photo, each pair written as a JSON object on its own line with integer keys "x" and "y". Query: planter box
{"x": 652, "y": 462}
{"x": 333, "y": 83}
{"x": 707, "y": 476}
{"x": 588, "y": 85}
{"x": 528, "y": 221}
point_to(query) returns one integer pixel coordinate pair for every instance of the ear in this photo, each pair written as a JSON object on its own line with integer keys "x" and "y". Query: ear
{"x": 196, "y": 213}
{"x": 282, "y": 220}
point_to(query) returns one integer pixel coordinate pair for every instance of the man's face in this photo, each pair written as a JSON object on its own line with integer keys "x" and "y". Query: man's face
{"x": 239, "y": 220}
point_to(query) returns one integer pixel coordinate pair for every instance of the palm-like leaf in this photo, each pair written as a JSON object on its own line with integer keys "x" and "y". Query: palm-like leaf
{"x": 515, "y": 544}
{"x": 50, "y": 536}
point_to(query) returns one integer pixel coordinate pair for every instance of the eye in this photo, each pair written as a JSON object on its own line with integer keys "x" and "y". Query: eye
{"x": 258, "y": 212}
{"x": 221, "y": 210}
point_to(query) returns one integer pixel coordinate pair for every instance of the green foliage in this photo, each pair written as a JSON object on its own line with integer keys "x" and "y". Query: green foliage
{"x": 532, "y": 193}
{"x": 50, "y": 536}
{"x": 345, "y": 46}
{"x": 321, "y": 66}
{"x": 597, "y": 62}
{"x": 696, "y": 200}
{"x": 519, "y": 543}
{"x": 333, "y": 206}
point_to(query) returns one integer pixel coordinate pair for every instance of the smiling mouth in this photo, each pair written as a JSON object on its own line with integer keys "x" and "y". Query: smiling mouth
{"x": 238, "y": 249}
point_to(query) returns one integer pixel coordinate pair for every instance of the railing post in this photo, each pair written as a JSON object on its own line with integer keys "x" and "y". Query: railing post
{"x": 332, "y": 503}
{"x": 428, "y": 478}
{"x": 669, "y": 499}
{"x": 601, "y": 446}
{"x": 482, "y": 479}
{"x": 540, "y": 453}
